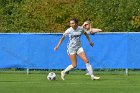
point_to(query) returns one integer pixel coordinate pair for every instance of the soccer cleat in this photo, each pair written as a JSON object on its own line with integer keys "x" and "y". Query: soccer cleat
{"x": 62, "y": 75}
{"x": 95, "y": 78}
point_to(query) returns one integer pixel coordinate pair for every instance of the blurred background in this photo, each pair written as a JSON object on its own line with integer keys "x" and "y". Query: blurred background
{"x": 52, "y": 16}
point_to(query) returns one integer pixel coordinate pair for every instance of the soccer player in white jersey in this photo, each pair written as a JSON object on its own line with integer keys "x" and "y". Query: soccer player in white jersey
{"x": 75, "y": 48}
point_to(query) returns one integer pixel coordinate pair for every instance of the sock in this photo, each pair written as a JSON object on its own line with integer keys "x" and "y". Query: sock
{"x": 70, "y": 67}
{"x": 89, "y": 68}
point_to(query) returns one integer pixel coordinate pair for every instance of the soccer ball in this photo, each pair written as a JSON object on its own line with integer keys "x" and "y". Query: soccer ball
{"x": 51, "y": 76}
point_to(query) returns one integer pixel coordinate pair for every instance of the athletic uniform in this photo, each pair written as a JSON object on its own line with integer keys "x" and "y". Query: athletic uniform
{"x": 74, "y": 45}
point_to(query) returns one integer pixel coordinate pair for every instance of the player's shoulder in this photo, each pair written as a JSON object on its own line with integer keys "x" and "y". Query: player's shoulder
{"x": 80, "y": 27}
{"x": 68, "y": 30}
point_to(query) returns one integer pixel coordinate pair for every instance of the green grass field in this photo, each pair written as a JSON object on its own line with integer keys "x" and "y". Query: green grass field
{"x": 74, "y": 83}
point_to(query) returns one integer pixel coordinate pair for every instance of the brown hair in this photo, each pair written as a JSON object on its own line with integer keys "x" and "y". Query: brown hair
{"x": 75, "y": 20}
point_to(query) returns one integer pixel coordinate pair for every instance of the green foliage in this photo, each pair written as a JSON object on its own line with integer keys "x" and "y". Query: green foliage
{"x": 54, "y": 15}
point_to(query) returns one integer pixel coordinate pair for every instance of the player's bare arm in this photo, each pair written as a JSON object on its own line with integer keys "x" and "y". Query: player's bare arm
{"x": 95, "y": 30}
{"x": 90, "y": 42}
{"x": 59, "y": 43}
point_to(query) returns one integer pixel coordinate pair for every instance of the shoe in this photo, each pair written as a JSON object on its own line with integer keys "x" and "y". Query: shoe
{"x": 62, "y": 75}
{"x": 95, "y": 78}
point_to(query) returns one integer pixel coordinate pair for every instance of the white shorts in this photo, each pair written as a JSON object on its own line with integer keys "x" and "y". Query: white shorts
{"x": 76, "y": 51}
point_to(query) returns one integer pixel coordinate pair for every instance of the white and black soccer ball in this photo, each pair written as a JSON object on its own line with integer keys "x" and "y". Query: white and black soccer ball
{"x": 51, "y": 76}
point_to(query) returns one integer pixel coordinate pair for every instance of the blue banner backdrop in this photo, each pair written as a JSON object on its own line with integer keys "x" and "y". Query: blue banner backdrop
{"x": 111, "y": 50}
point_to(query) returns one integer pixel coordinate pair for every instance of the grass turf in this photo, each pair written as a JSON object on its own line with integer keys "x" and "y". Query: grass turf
{"x": 74, "y": 83}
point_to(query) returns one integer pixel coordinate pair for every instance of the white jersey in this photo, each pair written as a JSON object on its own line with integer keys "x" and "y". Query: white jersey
{"x": 74, "y": 38}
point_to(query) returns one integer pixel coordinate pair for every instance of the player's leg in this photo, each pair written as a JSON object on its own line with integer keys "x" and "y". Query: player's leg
{"x": 87, "y": 73}
{"x": 74, "y": 63}
{"x": 70, "y": 67}
{"x": 82, "y": 55}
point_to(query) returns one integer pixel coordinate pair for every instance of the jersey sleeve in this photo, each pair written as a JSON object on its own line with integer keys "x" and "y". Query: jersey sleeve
{"x": 66, "y": 33}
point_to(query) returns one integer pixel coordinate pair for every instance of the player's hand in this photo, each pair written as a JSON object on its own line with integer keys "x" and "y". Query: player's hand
{"x": 56, "y": 48}
{"x": 91, "y": 43}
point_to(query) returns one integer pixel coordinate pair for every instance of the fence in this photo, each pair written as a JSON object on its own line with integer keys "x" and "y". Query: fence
{"x": 35, "y": 51}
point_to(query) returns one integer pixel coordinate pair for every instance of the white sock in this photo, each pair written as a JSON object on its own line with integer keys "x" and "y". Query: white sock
{"x": 70, "y": 67}
{"x": 89, "y": 68}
